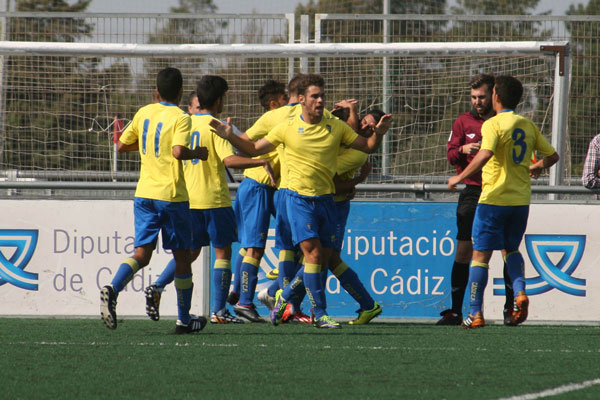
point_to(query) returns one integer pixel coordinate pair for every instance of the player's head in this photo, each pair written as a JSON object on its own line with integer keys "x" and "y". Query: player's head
{"x": 508, "y": 91}
{"x": 169, "y": 84}
{"x": 272, "y": 95}
{"x": 311, "y": 94}
{"x": 370, "y": 121}
{"x": 342, "y": 113}
{"x": 293, "y": 84}
{"x": 482, "y": 86}
{"x": 211, "y": 93}
{"x": 192, "y": 104}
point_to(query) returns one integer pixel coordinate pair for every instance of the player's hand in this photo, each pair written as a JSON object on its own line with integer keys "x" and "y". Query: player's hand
{"x": 471, "y": 148}
{"x": 201, "y": 153}
{"x": 271, "y": 174}
{"x": 452, "y": 182}
{"x": 347, "y": 103}
{"x": 221, "y": 129}
{"x": 365, "y": 170}
{"x": 384, "y": 124}
{"x": 350, "y": 195}
{"x": 535, "y": 171}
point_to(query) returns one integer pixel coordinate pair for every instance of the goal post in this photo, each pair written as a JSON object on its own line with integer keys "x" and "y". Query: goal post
{"x": 83, "y": 86}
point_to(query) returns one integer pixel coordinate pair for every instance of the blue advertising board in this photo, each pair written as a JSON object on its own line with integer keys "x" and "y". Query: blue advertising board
{"x": 402, "y": 253}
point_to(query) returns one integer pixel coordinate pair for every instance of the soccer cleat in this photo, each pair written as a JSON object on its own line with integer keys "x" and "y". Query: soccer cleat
{"x": 365, "y": 316}
{"x": 264, "y": 298}
{"x": 196, "y": 324}
{"x": 520, "y": 310}
{"x": 449, "y": 317}
{"x": 153, "y": 294}
{"x": 290, "y": 315}
{"x": 248, "y": 312}
{"x": 474, "y": 321}
{"x": 508, "y": 312}
{"x": 273, "y": 274}
{"x": 233, "y": 298}
{"x": 325, "y": 322}
{"x": 224, "y": 317}
{"x": 108, "y": 307}
{"x": 278, "y": 308}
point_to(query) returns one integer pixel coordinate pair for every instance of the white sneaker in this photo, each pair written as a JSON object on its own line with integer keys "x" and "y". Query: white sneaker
{"x": 264, "y": 298}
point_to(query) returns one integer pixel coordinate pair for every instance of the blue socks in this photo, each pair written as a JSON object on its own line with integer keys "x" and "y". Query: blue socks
{"x": 478, "y": 278}
{"x": 248, "y": 280}
{"x": 350, "y": 282}
{"x": 184, "y": 287}
{"x": 221, "y": 280}
{"x": 125, "y": 274}
{"x": 167, "y": 276}
{"x": 314, "y": 289}
{"x": 515, "y": 267}
{"x": 237, "y": 266}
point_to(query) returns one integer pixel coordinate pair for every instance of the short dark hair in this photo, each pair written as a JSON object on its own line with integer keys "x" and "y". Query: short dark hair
{"x": 210, "y": 89}
{"x": 293, "y": 84}
{"x": 191, "y": 96}
{"x": 310, "y": 80}
{"x": 376, "y": 113}
{"x": 482, "y": 79}
{"x": 271, "y": 90}
{"x": 509, "y": 90}
{"x": 342, "y": 113}
{"x": 169, "y": 82}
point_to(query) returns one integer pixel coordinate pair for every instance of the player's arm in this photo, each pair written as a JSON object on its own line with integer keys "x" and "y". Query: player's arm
{"x": 347, "y": 186}
{"x": 371, "y": 144}
{"x": 351, "y": 105}
{"x": 245, "y": 162}
{"x": 253, "y": 149}
{"x": 536, "y": 169}
{"x": 474, "y": 166}
{"x": 184, "y": 153}
{"x": 124, "y": 148}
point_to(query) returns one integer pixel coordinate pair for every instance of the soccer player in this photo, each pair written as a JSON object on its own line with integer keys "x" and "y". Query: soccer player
{"x": 463, "y": 145}
{"x": 272, "y": 95}
{"x": 161, "y": 133}
{"x": 253, "y": 209}
{"x": 508, "y": 141}
{"x": 212, "y": 216}
{"x": 311, "y": 144}
{"x": 193, "y": 106}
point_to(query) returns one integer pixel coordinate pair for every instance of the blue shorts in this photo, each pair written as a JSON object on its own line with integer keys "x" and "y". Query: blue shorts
{"x": 311, "y": 217}
{"x": 213, "y": 225}
{"x": 172, "y": 219}
{"x": 283, "y": 230}
{"x": 342, "y": 210}
{"x": 499, "y": 227}
{"x": 253, "y": 209}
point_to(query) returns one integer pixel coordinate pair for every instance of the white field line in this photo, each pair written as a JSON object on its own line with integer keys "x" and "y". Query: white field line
{"x": 571, "y": 387}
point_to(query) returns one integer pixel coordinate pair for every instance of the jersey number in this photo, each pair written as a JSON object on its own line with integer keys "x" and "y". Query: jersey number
{"x": 518, "y": 154}
{"x": 195, "y": 142}
{"x": 156, "y": 137}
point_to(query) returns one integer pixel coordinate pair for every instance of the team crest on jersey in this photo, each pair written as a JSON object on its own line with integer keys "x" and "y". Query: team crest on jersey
{"x": 555, "y": 258}
{"x": 471, "y": 135}
{"x": 24, "y": 242}
{"x": 328, "y": 127}
{"x": 300, "y": 129}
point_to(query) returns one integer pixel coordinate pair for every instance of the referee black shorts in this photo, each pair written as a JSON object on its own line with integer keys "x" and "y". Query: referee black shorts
{"x": 465, "y": 212}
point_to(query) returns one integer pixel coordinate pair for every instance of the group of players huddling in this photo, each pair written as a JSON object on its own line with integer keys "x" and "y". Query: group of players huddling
{"x": 299, "y": 149}
{"x": 303, "y": 171}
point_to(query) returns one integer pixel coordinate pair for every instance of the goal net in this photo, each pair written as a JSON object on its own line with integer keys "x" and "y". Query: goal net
{"x": 61, "y": 103}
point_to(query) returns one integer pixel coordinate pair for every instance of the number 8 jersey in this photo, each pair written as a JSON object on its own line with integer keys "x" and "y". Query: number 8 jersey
{"x": 505, "y": 177}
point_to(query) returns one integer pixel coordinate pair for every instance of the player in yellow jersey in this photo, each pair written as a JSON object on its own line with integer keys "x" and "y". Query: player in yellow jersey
{"x": 161, "y": 133}
{"x": 254, "y": 206}
{"x": 210, "y": 202}
{"x": 504, "y": 158}
{"x": 312, "y": 143}
{"x": 272, "y": 95}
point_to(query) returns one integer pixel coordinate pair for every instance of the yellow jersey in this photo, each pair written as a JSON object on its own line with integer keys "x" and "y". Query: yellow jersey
{"x": 157, "y": 128}
{"x": 310, "y": 152}
{"x": 206, "y": 180}
{"x": 505, "y": 177}
{"x": 348, "y": 162}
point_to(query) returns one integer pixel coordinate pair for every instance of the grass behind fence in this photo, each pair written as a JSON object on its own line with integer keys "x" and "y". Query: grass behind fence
{"x": 79, "y": 358}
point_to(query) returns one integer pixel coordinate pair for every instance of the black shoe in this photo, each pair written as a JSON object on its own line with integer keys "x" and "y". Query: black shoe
{"x": 248, "y": 312}
{"x": 152, "y": 293}
{"x": 233, "y": 298}
{"x": 449, "y": 317}
{"x": 508, "y": 312}
{"x": 196, "y": 324}
{"x": 108, "y": 307}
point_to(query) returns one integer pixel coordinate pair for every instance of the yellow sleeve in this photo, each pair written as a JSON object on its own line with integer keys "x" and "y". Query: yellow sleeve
{"x": 349, "y": 160}
{"x": 130, "y": 134}
{"x": 489, "y": 136}
{"x": 223, "y": 148}
{"x": 260, "y": 128}
{"x": 275, "y": 136}
{"x": 181, "y": 136}
{"x": 349, "y": 136}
